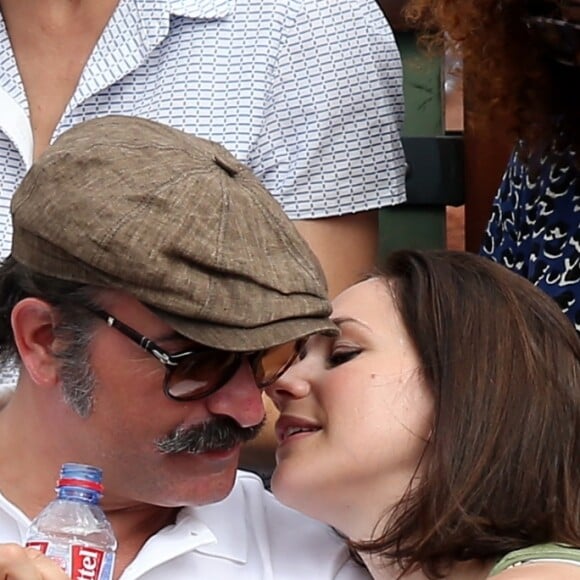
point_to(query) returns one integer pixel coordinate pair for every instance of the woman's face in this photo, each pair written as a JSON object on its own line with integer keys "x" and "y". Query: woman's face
{"x": 355, "y": 415}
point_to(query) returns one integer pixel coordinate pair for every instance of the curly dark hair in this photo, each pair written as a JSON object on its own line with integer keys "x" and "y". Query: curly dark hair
{"x": 514, "y": 75}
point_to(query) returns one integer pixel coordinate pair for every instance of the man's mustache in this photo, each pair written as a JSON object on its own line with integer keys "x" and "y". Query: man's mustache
{"x": 219, "y": 434}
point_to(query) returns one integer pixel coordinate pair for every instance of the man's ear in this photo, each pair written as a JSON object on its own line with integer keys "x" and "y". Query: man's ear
{"x": 33, "y": 322}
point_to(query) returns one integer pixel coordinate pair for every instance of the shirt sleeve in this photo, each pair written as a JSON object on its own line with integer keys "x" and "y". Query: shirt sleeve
{"x": 330, "y": 143}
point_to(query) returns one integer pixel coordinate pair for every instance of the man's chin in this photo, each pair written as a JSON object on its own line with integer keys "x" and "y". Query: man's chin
{"x": 201, "y": 491}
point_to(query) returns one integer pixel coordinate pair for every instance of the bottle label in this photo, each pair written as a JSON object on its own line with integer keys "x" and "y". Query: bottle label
{"x": 79, "y": 561}
{"x": 40, "y": 546}
{"x": 86, "y": 563}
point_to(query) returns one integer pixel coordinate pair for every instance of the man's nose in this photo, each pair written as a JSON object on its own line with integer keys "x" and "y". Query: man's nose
{"x": 240, "y": 398}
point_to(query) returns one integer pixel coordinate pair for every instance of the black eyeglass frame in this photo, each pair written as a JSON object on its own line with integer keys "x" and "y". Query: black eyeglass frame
{"x": 171, "y": 361}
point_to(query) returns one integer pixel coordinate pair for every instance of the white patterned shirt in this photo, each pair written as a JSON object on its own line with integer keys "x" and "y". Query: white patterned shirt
{"x": 308, "y": 93}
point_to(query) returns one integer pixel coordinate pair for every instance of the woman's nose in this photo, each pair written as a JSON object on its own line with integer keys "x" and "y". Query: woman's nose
{"x": 293, "y": 384}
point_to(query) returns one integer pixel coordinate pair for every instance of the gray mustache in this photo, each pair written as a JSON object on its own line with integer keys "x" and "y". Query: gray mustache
{"x": 219, "y": 434}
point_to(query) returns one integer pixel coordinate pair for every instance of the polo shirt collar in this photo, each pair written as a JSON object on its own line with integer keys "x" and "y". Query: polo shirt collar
{"x": 227, "y": 522}
{"x": 155, "y": 15}
{"x": 135, "y": 29}
{"x": 217, "y": 530}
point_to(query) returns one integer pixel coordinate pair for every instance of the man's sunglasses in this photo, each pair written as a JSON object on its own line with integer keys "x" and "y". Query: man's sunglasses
{"x": 196, "y": 373}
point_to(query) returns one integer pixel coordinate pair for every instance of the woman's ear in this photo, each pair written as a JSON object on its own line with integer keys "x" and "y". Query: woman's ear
{"x": 33, "y": 322}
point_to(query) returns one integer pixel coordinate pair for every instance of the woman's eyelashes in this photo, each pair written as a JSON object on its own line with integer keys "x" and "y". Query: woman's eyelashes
{"x": 339, "y": 356}
{"x": 332, "y": 353}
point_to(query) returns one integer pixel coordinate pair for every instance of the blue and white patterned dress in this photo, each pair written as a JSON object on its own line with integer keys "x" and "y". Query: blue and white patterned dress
{"x": 534, "y": 228}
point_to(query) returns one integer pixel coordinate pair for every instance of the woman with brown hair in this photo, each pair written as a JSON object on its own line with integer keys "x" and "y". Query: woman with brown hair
{"x": 522, "y": 59}
{"x": 440, "y": 431}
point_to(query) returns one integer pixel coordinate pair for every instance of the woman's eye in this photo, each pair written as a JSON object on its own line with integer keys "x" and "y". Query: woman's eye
{"x": 342, "y": 356}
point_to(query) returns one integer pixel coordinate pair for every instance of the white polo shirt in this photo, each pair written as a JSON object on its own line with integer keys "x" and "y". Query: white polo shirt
{"x": 247, "y": 536}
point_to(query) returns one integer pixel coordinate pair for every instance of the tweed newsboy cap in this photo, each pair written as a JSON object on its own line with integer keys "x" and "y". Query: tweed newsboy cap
{"x": 176, "y": 221}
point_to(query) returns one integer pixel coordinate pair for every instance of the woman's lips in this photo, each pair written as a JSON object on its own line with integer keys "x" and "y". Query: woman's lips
{"x": 288, "y": 426}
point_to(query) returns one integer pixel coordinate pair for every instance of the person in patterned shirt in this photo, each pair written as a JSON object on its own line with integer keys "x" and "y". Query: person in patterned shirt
{"x": 308, "y": 94}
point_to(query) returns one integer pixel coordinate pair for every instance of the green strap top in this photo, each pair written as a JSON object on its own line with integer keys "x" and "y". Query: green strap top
{"x": 539, "y": 552}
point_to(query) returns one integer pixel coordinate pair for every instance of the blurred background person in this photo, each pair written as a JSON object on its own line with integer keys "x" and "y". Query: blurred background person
{"x": 521, "y": 63}
{"x": 308, "y": 94}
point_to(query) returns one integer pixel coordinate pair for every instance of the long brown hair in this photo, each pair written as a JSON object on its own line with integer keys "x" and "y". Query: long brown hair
{"x": 502, "y": 468}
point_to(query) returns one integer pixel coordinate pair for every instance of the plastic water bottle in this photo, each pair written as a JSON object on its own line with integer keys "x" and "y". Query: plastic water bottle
{"x": 73, "y": 529}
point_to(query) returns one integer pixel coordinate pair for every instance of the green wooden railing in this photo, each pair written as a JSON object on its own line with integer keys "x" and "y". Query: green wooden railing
{"x": 435, "y": 160}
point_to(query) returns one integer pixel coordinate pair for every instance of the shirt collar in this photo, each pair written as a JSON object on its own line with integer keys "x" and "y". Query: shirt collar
{"x": 217, "y": 530}
{"x": 155, "y": 15}
{"x": 227, "y": 522}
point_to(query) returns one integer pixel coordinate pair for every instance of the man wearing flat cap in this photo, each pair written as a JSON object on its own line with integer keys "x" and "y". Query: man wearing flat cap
{"x": 153, "y": 287}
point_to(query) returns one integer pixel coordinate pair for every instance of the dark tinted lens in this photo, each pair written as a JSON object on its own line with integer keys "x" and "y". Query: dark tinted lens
{"x": 271, "y": 364}
{"x": 201, "y": 374}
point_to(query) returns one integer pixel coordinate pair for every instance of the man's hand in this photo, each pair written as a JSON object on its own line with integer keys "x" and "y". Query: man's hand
{"x": 18, "y": 563}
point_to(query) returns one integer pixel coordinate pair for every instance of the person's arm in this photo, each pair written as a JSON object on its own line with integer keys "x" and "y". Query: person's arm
{"x": 346, "y": 246}
{"x": 330, "y": 149}
{"x": 18, "y": 563}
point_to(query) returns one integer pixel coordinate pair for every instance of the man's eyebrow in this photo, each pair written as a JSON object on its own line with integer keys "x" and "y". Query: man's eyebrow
{"x": 340, "y": 320}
